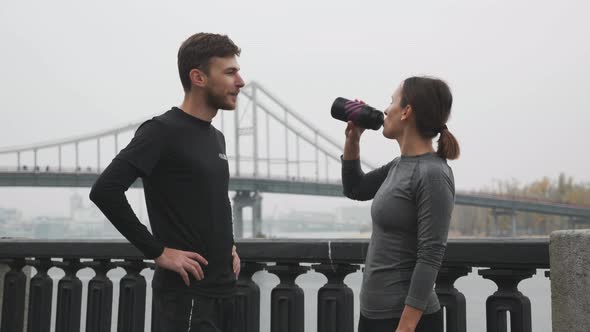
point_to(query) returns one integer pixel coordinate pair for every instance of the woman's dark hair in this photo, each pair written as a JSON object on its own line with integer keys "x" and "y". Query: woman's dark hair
{"x": 431, "y": 101}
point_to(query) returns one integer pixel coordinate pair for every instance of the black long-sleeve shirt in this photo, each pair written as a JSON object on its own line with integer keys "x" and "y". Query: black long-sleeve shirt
{"x": 182, "y": 163}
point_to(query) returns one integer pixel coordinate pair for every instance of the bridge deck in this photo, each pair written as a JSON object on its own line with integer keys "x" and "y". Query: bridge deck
{"x": 296, "y": 187}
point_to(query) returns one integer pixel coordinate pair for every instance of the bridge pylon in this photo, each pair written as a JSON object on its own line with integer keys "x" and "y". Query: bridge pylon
{"x": 242, "y": 199}
{"x": 497, "y": 231}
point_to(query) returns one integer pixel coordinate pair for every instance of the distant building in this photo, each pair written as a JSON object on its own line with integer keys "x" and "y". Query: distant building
{"x": 88, "y": 221}
{"x": 49, "y": 228}
{"x": 9, "y": 215}
{"x": 8, "y": 219}
{"x": 308, "y": 223}
{"x": 358, "y": 215}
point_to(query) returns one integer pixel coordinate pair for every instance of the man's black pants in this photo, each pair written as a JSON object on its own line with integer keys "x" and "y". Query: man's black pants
{"x": 183, "y": 311}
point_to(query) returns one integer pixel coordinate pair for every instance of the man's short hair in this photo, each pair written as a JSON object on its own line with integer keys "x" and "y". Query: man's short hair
{"x": 197, "y": 51}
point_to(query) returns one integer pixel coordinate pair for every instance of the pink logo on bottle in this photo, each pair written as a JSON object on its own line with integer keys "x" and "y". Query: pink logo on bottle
{"x": 352, "y": 110}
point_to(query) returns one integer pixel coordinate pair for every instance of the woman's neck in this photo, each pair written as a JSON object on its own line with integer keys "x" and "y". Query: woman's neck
{"x": 412, "y": 144}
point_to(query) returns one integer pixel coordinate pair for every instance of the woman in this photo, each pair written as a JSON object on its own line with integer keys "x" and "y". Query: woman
{"x": 413, "y": 198}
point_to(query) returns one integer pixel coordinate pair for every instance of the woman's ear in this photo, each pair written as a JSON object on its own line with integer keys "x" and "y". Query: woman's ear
{"x": 406, "y": 112}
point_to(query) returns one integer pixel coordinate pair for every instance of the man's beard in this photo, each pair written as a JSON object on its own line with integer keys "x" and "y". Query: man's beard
{"x": 218, "y": 101}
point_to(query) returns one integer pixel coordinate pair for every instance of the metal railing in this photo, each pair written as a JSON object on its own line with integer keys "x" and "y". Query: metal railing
{"x": 506, "y": 262}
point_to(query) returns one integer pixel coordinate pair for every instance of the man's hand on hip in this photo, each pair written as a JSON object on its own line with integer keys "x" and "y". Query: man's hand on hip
{"x": 182, "y": 262}
{"x": 236, "y": 261}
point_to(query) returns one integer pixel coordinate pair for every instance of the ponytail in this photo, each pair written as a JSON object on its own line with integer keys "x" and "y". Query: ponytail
{"x": 448, "y": 147}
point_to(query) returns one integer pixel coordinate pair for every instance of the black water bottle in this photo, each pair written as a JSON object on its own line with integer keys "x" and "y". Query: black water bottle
{"x": 360, "y": 114}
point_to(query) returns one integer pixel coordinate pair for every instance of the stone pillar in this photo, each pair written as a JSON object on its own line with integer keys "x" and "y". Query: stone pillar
{"x": 508, "y": 299}
{"x": 3, "y": 270}
{"x": 569, "y": 253}
{"x": 248, "y": 296}
{"x": 14, "y": 296}
{"x": 450, "y": 298}
{"x": 287, "y": 312}
{"x": 335, "y": 299}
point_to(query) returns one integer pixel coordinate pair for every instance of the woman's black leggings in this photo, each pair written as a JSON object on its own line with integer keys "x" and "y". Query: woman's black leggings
{"x": 428, "y": 323}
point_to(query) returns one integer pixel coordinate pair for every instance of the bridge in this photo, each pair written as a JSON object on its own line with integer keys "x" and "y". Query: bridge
{"x": 272, "y": 149}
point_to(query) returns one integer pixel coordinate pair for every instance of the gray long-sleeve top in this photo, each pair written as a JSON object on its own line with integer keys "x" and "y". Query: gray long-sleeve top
{"x": 413, "y": 198}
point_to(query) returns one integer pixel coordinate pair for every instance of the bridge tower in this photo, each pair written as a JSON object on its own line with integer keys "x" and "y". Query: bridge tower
{"x": 496, "y": 226}
{"x": 243, "y": 199}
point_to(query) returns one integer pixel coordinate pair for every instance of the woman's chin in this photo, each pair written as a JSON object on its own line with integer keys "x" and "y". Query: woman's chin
{"x": 386, "y": 134}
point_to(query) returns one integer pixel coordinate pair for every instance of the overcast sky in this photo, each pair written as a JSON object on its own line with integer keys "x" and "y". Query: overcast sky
{"x": 519, "y": 72}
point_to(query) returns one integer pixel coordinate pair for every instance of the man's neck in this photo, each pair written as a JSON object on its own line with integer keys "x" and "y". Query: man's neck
{"x": 196, "y": 105}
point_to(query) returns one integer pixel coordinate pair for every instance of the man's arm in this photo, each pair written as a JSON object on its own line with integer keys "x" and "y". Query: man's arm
{"x": 108, "y": 193}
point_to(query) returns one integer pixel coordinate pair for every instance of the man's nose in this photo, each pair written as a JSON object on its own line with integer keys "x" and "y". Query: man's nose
{"x": 240, "y": 81}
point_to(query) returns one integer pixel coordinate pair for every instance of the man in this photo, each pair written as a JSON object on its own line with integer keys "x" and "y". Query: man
{"x": 181, "y": 159}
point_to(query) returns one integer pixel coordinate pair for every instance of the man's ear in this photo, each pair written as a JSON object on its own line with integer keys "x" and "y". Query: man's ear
{"x": 198, "y": 78}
